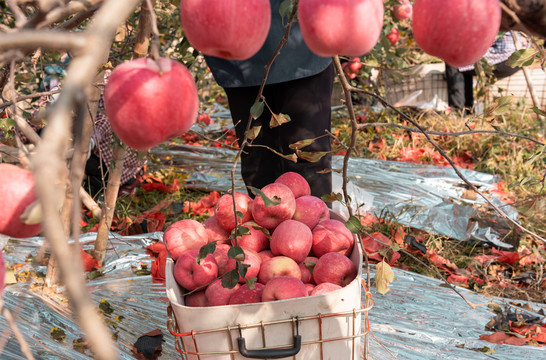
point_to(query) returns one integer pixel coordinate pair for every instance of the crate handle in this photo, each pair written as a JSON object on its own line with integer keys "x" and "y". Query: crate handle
{"x": 269, "y": 353}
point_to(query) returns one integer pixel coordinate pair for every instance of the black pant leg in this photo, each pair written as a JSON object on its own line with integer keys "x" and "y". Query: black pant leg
{"x": 308, "y": 103}
{"x": 455, "y": 88}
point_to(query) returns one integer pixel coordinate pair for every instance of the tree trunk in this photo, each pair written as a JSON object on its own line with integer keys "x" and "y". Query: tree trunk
{"x": 530, "y": 15}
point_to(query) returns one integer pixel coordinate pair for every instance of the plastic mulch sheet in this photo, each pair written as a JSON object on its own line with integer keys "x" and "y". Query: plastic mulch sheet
{"x": 416, "y": 319}
{"x": 426, "y": 197}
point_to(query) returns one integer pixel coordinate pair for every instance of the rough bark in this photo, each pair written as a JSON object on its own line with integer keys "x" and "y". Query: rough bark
{"x": 530, "y": 16}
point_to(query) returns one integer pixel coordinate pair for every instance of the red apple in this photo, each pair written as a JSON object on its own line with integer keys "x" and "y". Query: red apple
{"x": 293, "y": 239}
{"x": 354, "y": 65}
{"x": 243, "y": 295}
{"x": 215, "y": 231}
{"x": 2, "y": 273}
{"x": 332, "y": 236}
{"x": 233, "y": 30}
{"x": 458, "y": 32}
{"x": 283, "y": 287}
{"x": 306, "y": 267}
{"x": 311, "y": 210}
{"x": 184, "y": 235}
{"x": 393, "y": 36}
{"x": 278, "y": 266}
{"x": 191, "y": 275}
{"x": 256, "y": 240}
{"x": 296, "y": 182}
{"x": 340, "y": 27}
{"x": 224, "y": 210}
{"x": 221, "y": 257}
{"x": 266, "y": 255}
{"x": 324, "y": 288}
{"x": 196, "y": 299}
{"x": 251, "y": 258}
{"x": 218, "y": 295}
{"x": 17, "y": 192}
{"x": 309, "y": 287}
{"x": 403, "y": 11}
{"x": 272, "y": 215}
{"x": 334, "y": 268}
{"x": 147, "y": 105}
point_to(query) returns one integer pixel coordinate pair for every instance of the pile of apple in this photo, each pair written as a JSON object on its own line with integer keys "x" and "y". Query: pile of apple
{"x": 292, "y": 248}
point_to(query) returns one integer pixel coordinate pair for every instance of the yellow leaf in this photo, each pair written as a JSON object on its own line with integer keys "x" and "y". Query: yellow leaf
{"x": 383, "y": 277}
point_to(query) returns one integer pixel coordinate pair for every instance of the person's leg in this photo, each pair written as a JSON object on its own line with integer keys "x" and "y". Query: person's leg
{"x": 259, "y": 166}
{"x": 93, "y": 175}
{"x": 468, "y": 90}
{"x": 308, "y": 103}
{"x": 455, "y": 88}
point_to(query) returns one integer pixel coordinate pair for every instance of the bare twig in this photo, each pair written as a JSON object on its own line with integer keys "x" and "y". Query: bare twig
{"x": 25, "y": 349}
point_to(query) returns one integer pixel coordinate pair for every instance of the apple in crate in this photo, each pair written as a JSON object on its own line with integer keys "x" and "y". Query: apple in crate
{"x": 252, "y": 259}
{"x": 306, "y": 268}
{"x": 296, "y": 182}
{"x": 234, "y": 29}
{"x": 272, "y": 215}
{"x": 293, "y": 239}
{"x": 332, "y": 236}
{"x": 244, "y": 295}
{"x": 184, "y": 235}
{"x": 278, "y": 266}
{"x": 196, "y": 299}
{"x": 255, "y": 239}
{"x": 311, "y": 210}
{"x": 218, "y": 295}
{"x": 191, "y": 275}
{"x": 148, "y": 104}
{"x": 220, "y": 254}
{"x": 283, "y": 287}
{"x": 324, "y": 288}
{"x": 265, "y": 255}
{"x": 340, "y": 27}
{"x": 215, "y": 231}
{"x": 334, "y": 268}
{"x": 17, "y": 192}
{"x": 224, "y": 210}
{"x": 458, "y": 32}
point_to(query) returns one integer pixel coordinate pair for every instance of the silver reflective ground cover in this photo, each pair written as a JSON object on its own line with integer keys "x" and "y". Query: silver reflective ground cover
{"x": 417, "y": 319}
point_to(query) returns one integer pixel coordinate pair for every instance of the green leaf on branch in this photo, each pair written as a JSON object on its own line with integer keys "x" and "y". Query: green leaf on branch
{"x": 277, "y": 120}
{"x": 311, "y": 156}
{"x": 538, "y": 111}
{"x": 242, "y": 230}
{"x": 236, "y": 252}
{"x": 267, "y": 201}
{"x": 230, "y": 279}
{"x": 354, "y": 225}
{"x": 257, "y": 109}
{"x": 242, "y": 268}
{"x": 206, "y": 250}
{"x": 332, "y": 197}
{"x": 253, "y": 132}
{"x": 285, "y": 9}
{"x": 522, "y": 57}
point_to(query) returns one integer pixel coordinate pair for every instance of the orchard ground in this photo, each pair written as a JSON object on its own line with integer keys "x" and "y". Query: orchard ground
{"x": 517, "y": 274}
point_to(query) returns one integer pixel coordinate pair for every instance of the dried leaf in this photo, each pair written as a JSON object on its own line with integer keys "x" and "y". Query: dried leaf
{"x": 277, "y": 120}
{"x": 311, "y": 156}
{"x": 301, "y": 144}
{"x": 383, "y": 277}
{"x": 253, "y": 132}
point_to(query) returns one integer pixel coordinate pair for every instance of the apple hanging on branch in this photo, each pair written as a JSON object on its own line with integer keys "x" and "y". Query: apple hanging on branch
{"x": 340, "y": 27}
{"x": 148, "y": 104}
{"x": 233, "y": 30}
{"x": 403, "y": 11}
{"x": 18, "y": 197}
{"x": 458, "y": 32}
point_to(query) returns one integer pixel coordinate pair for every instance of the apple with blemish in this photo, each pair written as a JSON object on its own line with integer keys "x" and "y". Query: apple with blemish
{"x": 192, "y": 275}
{"x": 184, "y": 235}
